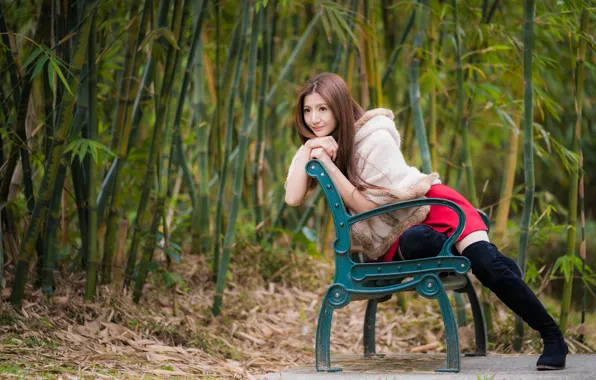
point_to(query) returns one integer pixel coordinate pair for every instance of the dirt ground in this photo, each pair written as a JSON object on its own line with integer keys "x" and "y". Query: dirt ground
{"x": 265, "y": 326}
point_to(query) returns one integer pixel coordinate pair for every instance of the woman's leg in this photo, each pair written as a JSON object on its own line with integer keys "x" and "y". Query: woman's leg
{"x": 420, "y": 241}
{"x": 504, "y": 278}
{"x": 497, "y": 273}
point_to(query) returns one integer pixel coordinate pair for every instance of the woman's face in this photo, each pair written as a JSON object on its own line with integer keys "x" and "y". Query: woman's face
{"x": 317, "y": 115}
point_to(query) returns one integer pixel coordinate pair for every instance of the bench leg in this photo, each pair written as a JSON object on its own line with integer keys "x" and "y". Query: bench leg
{"x": 431, "y": 287}
{"x": 370, "y": 320}
{"x": 322, "y": 349}
{"x": 451, "y": 338}
{"x": 479, "y": 322}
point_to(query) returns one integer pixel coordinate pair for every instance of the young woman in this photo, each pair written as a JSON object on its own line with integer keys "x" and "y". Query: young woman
{"x": 361, "y": 152}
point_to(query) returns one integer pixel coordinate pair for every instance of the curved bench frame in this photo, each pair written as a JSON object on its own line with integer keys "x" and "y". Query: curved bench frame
{"x": 376, "y": 282}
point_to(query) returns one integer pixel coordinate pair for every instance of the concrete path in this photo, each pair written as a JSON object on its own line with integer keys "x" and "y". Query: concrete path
{"x": 422, "y": 366}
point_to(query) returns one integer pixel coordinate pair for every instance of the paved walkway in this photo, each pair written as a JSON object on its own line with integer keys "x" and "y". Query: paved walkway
{"x": 422, "y": 366}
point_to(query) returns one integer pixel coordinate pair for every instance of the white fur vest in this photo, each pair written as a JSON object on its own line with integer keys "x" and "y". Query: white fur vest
{"x": 380, "y": 162}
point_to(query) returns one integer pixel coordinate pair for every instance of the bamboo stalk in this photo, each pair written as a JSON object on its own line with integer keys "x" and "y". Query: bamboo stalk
{"x": 573, "y": 182}
{"x": 12, "y": 69}
{"x": 133, "y": 120}
{"x": 92, "y": 180}
{"x": 218, "y": 221}
{"x": 53, "y": 163}
{"x": 258, "y": 162}
{"x": 118, "y": 271}
{"x": 218, "y": 81}
{"x": 432, "y": 128}
{"x": 258, "y": 19}
{"x": 363, "y": 79}
{"x": 159, "y": 154}
{"x": 200, "y": 232}
{"x": 500, "y": 229}
{"x": 51, "y": 225}
{"x": 1, "y": 255}
{"x": 181, "y": 155}
{"x": 215, "y": 134}
{"x": 466, "y": 161}
{"x": 524, "y": 236}
{"x": 21, "y": 97}
{"x": 415, "y": 91}
{"x": 290, "y": 61}
{"x": 135, "y": 36}
{"x": 122, "y": 103}
{"x": 159, "y": 211}
{"x": 391, "y": 63}
{"x": 339, "y": 54}
{"x": 136, "y": 116}
{"x": 309, "y": 210}
{"x": 195, "y": 41}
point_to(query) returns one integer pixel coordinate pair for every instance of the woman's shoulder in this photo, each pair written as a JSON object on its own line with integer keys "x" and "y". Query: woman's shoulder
{"x": 376, "y": 126}
{"x": 374, "y": 116}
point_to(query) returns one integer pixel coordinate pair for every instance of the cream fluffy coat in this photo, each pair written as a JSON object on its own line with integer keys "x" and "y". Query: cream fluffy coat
{"x": 380, "y": 162}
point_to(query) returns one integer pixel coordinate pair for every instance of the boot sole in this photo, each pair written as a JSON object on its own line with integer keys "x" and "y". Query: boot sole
{"x": 548, "y": 368}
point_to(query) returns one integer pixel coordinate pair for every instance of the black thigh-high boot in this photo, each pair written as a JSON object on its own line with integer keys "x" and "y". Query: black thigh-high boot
{"x": 495, "y": 273}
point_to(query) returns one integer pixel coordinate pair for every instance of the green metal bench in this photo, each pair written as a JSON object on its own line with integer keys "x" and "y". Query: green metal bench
{"x": 378, "y": 281}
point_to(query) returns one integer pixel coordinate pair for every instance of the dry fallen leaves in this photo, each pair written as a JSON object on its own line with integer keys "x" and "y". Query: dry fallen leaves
{"x": 265, "y": 327}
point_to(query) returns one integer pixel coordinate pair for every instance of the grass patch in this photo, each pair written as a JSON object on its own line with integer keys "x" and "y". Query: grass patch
{"x": 10, "y": 369}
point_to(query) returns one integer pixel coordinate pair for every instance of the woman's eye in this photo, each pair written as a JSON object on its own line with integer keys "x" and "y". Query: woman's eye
{"x": 323, "y": 108}
{"x": 306, "y": 111}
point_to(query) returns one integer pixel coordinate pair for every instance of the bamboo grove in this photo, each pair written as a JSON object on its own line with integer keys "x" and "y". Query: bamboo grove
{"x": 132, "y": 129}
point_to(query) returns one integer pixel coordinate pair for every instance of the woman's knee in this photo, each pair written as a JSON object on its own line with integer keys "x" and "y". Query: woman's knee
{"x": 485, "y": 262}
{"x": 420, "y": 241}
{"x": 511, "y": 264}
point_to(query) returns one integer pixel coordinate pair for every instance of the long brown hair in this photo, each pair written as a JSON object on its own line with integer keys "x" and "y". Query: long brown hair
{"x": 346, "y": 112}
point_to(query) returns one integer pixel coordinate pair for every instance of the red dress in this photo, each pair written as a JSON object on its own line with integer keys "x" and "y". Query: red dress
{"x": 443, "y": 219}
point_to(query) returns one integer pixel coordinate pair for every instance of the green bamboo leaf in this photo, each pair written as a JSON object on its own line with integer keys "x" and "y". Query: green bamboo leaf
{"x": 310, "y": 234}
{"x": 39, "y": 66}
{"x": 167, "y": 278}
{"x": 326, "y": 26}
{"x": 491, "y": 90}
{"x": 60, "y": 75}
{"x": 443, "y": 12}
{"x": 93, "y": 150}
{"x": 80, "y": 147}
{"x": 478, "y": 70}
{"x": 487, "y": 50}
{"x": 505, "y": 117}
{"x": 84, "y": 147}
{"x": 347, "y": 28}
{"x": 566, "y": 267}
{"x": 158, "y": 32}
{"x": 32, "y": 56}
{"x": 334, "y": 19}
{"x": 169, "y": 36}
{"x": 51, "y": 78}
{"x": 556, "y": 266}
{"x": 545, "y": 135}
{"x": 171, "y": 253}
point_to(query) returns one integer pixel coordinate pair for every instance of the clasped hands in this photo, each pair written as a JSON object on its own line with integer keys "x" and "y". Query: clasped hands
{"x": 322, "y": 148}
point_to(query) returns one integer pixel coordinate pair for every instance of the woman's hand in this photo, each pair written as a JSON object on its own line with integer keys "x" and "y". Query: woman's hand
{"x": 327, "y": 143}
{"x": 320, "y": 154}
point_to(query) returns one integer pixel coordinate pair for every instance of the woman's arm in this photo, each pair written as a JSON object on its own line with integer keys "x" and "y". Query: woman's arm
{"x": 351, "y": 196}
{"x": 297, "y": 182}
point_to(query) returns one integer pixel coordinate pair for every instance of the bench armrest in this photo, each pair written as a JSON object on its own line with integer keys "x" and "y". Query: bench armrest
{"x": 446, "y": 250}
